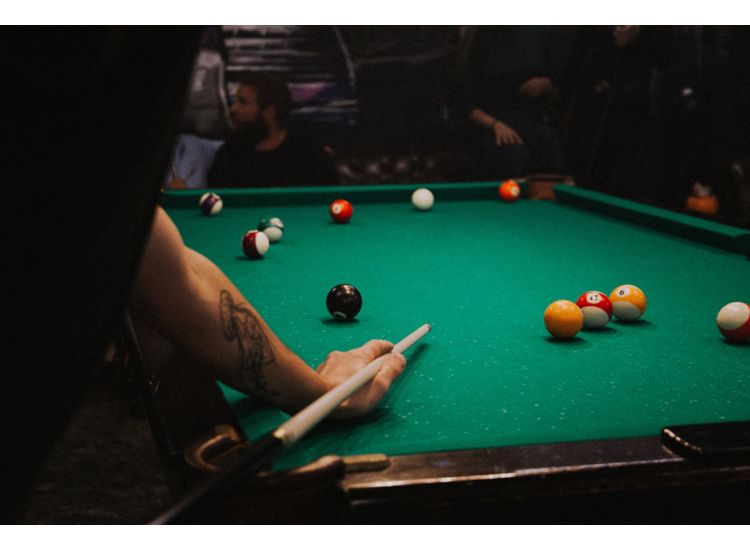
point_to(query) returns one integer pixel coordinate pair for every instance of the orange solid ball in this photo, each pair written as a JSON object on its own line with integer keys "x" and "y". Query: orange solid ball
{"x": 563, "y": 319}
{"x": 509, "y": 190}
{"x": 705, "y": 205}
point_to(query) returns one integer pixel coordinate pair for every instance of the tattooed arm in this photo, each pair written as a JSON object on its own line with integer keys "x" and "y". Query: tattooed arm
{"x": 188, "y": 300}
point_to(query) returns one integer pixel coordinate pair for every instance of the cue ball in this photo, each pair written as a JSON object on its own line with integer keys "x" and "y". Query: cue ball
{"x": 273, "y": 228}
{"x": 509, "y": 190}
{"x": 422, "y": 199}
{"x": 563, "y": 319}
{"x": 733, "y": 321}
{"x": 341, "y": 211}
{"x": 210, "y": 204}
{"x": 596, "y": 308}
{"x": 628, "y": 302}
{"x": 344, "y": 302}
{"x": 255, "y": 244}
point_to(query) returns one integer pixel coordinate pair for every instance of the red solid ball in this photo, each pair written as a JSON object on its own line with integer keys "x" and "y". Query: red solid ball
{"x": 341, "y": 211}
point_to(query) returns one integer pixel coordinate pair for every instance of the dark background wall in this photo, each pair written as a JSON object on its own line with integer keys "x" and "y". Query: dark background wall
{"x": 370, "y": 79}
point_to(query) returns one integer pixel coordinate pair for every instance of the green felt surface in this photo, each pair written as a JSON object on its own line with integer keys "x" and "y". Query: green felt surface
{"x": 482, "y": 272}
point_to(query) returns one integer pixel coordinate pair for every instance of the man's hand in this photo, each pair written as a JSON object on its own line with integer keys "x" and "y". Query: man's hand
{"x": 505, "y": 135}
{"x": 339, "y": 366}
{"x": 537, "y": 87}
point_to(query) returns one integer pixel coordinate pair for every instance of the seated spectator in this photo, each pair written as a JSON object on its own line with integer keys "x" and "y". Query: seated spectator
{"x": 261, "y": 150}
{"x": 509, "y": 88}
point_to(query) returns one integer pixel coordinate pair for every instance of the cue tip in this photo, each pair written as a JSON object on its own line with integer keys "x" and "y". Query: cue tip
{"x": 407, "y": 342}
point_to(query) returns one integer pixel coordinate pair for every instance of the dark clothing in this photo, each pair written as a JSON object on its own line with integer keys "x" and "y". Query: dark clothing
{"x": 541, "y": 151}
{"x": 105, "y": 141}
{"x": 500, "y": 61}
{"x": 703, "y": 112}
{"x": 296, "y": 162}
{"x": 610, "y": 129}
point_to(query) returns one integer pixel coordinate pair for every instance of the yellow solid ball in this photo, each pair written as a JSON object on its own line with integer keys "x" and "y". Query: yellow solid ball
{"x": 563, "y": 319}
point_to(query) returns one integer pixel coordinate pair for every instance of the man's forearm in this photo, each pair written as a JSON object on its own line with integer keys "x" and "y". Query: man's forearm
{"x": 246, "y": 354}
{"x": 188, "y": 299}
{"x": 479, "y": 117}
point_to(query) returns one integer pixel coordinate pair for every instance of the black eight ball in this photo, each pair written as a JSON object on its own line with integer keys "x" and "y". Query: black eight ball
{"x": 344, "y": 302}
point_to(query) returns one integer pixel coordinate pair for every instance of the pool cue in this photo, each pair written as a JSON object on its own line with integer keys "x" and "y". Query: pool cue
{"x": 269, "y": 447}
{"x": 293, "y": 429}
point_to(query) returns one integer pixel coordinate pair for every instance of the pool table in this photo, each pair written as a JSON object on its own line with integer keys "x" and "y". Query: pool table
{"x": 494, "y": 419}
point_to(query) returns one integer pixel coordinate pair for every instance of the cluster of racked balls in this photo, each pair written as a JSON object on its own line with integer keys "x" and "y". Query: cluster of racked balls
{"x": 593, "y": 310}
